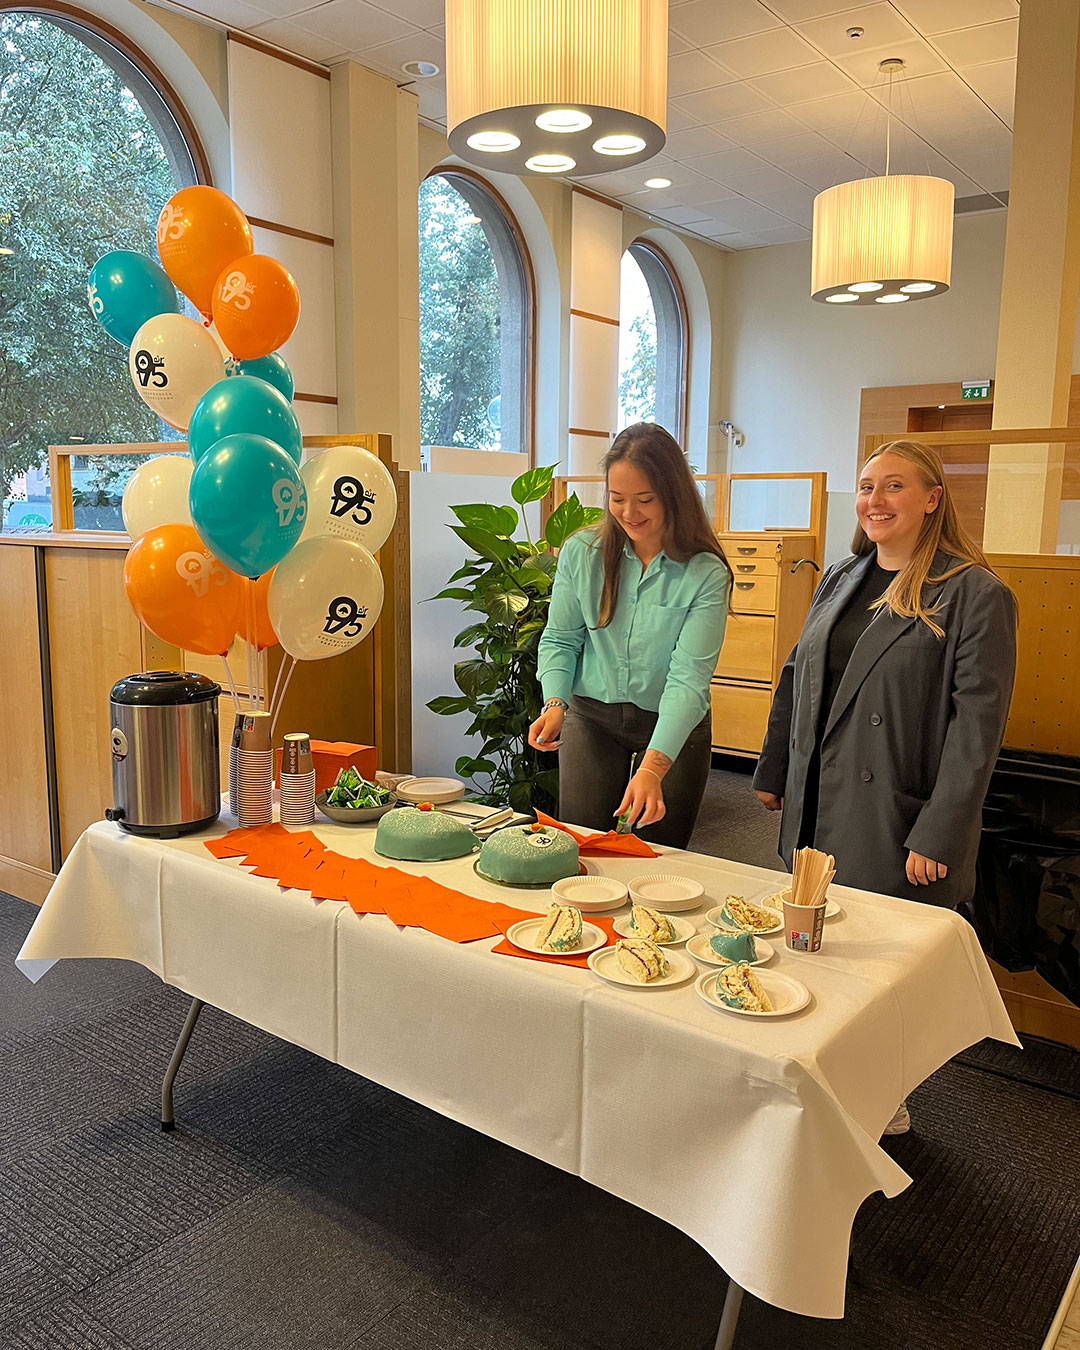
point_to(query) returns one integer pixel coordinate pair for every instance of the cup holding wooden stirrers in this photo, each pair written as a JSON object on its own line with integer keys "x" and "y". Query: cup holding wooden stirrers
{"x": 804, "y": 904}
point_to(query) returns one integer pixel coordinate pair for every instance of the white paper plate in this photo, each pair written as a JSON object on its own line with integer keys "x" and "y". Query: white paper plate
{"x": 787, "y": 995}
{"x": 717, "y": 919}
{"x": 683, "y": 929}
{"x": 433, "y": 790}
{"x": 525, "y": 934}
{"x": 590, "y": 894}
{"x": 698, "y": 947}
{"x": 680, "y": 969}
{"x": 666, "y": 892}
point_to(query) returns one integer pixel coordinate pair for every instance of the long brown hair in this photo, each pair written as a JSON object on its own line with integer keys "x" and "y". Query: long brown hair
{"x": 941, "y": 529}
{"x": 687, "y": 531}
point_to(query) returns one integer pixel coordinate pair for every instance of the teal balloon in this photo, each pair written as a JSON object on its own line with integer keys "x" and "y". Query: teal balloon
{"x": 125, "y": 289}
{"x": 244, "y": 404}
{"x": 248, "y": 502}
{"x": 274, "y": 369}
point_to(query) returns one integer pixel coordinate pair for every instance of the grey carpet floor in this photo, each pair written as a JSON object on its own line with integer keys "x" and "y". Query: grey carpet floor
{"x": 299, "y": 1207}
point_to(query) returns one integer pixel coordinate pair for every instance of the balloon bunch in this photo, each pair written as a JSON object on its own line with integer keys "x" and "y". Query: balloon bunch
{"x": 218, "y": 552}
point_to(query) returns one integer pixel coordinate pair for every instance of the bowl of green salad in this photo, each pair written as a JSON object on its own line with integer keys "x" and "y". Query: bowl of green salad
{"x": 354, "y": 801}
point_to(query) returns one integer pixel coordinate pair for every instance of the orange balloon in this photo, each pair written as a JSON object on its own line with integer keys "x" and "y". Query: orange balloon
{"x": 199, "y": 232}
{"x": 264, "y": 629}
{"x": 256, "y": 305}
{"x": 181, "y": 592}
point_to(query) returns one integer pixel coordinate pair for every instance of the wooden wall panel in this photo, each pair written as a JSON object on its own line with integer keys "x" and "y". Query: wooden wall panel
{"x": 24, "y": 818}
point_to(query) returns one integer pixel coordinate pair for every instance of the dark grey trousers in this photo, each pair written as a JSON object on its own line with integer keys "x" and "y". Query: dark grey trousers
{"x": 598, "y": 740}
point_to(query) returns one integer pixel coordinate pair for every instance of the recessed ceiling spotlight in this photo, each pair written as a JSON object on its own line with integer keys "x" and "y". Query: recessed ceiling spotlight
{"x": 619, "y": 145}
{"x": 657, "y": 182}
{"x": 859, "y": 286}
{"x": 855, "y": 32}
{"x": 419, "y": 70}
{"x": 564, "y": 119}
{"x": 493, "y": 142}
{"x": 919, "y": 287}
{"x": 893, "y": 298}
{"x": 844, "y": 298}
{"x": 550, "y": 163}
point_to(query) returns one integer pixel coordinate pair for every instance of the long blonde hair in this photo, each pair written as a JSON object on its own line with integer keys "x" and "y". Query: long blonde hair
{"x": 686, "y": 526}
{"x": 941, "y": 530}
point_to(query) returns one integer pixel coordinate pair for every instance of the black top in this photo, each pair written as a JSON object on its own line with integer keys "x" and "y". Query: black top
{"x": 848, "y": 629}
{"x": 164, "y": 688}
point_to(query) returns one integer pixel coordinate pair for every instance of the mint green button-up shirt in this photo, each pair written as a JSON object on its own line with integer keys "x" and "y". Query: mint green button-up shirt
{"x": 660, "y": 649}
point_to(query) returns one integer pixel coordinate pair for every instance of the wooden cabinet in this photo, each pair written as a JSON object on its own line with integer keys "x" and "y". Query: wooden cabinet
{"x": 775, "y": 576}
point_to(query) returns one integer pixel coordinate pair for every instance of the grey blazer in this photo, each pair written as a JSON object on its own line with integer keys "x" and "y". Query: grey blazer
{"x": 912, "y": 737}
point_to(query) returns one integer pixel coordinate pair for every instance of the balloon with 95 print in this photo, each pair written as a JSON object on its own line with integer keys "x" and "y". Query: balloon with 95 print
{"x": 324, "y": 597}
{"x": 199, "y": 232}
{"x": 173, "y": 361}
{"x": 181, "y": 592}
{"x": 127, "y": 288}
{"x": 274, "y": 369}
{"x": 248, "y": 502}
{"x": 256, "y": 306}
{"x": 244, "y": 403}
{"x": 351, "y": 494}
{"x": 157, "y": 494}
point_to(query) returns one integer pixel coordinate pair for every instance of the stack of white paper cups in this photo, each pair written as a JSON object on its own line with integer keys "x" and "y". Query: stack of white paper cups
{"x": 297, "y": 780}
{"x": 254, "y": 794}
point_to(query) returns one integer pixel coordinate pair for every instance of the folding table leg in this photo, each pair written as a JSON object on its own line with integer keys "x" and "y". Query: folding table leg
{"x": 167, "y": 1122}
{"x": 729, "y": 1318}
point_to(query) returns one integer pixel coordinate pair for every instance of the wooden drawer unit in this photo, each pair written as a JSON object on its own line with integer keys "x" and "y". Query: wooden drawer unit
{"x": 738, "y": 546}
{"x": 755, "y": 595}
{"x": 754, "y": 567}
{"x": 740, "y": 715}
{"x": 747, "y": 653}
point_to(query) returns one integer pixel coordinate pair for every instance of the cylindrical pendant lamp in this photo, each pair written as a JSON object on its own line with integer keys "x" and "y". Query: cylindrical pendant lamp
{"x": 882, "y": 240}
{"x": 556, "y": 86}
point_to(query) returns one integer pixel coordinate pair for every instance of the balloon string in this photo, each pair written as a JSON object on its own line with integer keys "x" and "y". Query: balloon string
{"x": 233, "y": 692}
{"x": 284, "y": 687}
{"x": 250, "y": 635}
{"x": 277, "y": 682}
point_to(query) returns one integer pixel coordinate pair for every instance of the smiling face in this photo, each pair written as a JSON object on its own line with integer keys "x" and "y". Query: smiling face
{"x": 637, "y": 508}
{"x": 892, "y": 502}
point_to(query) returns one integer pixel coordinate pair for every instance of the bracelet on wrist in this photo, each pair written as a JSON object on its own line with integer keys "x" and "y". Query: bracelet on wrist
{"x": 555, "y": 703}
{"x": 657, "y": 776}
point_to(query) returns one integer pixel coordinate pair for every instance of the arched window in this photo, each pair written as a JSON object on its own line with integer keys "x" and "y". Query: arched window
{"x": 90, "y": 151}
{"x": 475, "y": 318}
{"x": 652, "y": 341}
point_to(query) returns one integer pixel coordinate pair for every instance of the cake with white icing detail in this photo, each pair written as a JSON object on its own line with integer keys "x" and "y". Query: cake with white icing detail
{"x": 641, "y": 959}
{"x": 651, "y": 924}
{"x": 561, "y": 930}
{"x": 422, "y": 834}
{"x": 528, "y": 855}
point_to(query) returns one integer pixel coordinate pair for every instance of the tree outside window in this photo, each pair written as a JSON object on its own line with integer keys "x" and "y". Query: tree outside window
{"x": 84, "y": 169}
{"x": 474, "y": 308}
{"x": 652, "y": 342}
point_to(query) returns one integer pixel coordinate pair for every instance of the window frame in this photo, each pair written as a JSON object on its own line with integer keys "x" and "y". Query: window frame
{"x": 655, "y": 259}
{"x": 527, "y": 373}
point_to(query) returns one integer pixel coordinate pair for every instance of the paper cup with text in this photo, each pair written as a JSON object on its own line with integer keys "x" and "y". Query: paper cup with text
{"x": 803, "y": 926}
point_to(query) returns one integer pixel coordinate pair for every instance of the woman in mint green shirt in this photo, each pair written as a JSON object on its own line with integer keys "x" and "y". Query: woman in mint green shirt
{"x": 633, "y": 634}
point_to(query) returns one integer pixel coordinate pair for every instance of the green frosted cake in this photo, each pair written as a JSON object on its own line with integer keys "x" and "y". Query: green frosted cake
{"x": 734, "y": 946}
{"x": 529, "y": 855}
{"x": 422, "y": 834}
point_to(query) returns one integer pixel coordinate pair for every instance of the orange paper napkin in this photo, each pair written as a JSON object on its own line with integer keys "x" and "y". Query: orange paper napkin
{"x": 620, "y": 845}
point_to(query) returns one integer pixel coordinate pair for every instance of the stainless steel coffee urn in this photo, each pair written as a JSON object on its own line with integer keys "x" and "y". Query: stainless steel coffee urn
{"x": 164, "y": 740}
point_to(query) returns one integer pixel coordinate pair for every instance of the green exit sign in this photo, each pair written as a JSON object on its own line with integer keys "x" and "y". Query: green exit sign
{"x": 974, "y": 388}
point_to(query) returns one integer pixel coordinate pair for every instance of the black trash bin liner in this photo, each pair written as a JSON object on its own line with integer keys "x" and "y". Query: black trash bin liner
{"x": 1026, "y": 907}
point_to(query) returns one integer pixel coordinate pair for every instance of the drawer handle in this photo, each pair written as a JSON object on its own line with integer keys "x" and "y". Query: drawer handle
{"x": 746, "y": 585}
{"x": 747, "y": 548}
{"x": 746, "y": 567}
{"x": 802, "y": 563}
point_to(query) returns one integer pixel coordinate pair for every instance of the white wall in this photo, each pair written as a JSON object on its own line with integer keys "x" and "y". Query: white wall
{"x": 792, "y": 370}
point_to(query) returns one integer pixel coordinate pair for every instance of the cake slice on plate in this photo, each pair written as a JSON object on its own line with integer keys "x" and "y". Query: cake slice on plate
{"x": 641, "y": 959}
{"x": 739, "y": 987}
{"x": 561, "y": 930}
{"x": 651, "y": 924}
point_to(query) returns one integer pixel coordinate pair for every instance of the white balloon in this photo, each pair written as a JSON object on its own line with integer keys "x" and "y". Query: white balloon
{"x": 351, "y": 495}
{"x": 157, "y": 494}
{"x": 324, "y": 597}
{"x": 173, "y": 361}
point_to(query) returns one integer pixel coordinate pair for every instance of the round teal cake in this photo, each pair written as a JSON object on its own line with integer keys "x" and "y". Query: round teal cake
{"x": 411, "y": 835}
{"x": 528, "y": 856}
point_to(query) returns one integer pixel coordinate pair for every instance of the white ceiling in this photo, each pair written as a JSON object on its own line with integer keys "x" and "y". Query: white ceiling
{"x": 766, "y": 103}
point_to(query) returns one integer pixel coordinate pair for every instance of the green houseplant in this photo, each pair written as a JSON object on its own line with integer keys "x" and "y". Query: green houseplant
{"x": 506, "y": 581}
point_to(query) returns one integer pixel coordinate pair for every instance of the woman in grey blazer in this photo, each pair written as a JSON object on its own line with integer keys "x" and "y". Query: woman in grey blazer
{"x": 890, "y": 712}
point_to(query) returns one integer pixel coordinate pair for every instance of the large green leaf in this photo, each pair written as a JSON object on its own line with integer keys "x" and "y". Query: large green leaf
{"x": 453, "y": 593}
{"x": 520, "y": 795}
{"x": 563, "y": 521}
{"x": 485, "y": 543}
{"x": 504, "y": 606}
{"x": 476, "y": 677}
{"x": 543, "y": 562}
{"x": 532, "y": 485}
{"x": 469, "y": 767}
{"x": 593, "y": 514}
{"x": 446, "y": 706}
{"x": 548, "y": 781}
{"x": 468, "y": 637}
{"x": 501, "y": 520}
{"x": 531, "y": 578}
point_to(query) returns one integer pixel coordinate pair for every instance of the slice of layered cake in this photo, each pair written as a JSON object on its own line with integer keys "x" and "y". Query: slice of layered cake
{"x": 748, "y": 915}
{"x": 651, "y": 924}
{"x": 739, "y": 987}
{"x": 734, "y": 947}
{"x": 641, "y": 959}
{"x": 561, "y": 930}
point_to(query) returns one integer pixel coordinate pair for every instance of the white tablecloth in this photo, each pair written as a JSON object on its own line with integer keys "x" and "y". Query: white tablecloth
{"x": 758, "y": 1138}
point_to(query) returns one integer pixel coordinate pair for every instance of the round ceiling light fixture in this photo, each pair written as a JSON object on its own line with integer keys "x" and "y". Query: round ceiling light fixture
{"x": 419, "y": 70}
{"x": 493, "y": 142}
{"x": 657, "y": 182}
{"x": 549, "y": 163}
{"x": 573, "y": 78}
